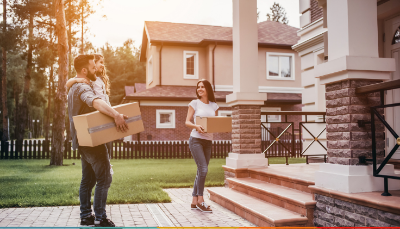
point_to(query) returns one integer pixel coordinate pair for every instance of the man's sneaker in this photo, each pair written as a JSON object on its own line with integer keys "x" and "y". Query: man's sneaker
{"x": 204, "y": 207}
{"x": 104, "y": 223}
{"x": 88, "y": 220}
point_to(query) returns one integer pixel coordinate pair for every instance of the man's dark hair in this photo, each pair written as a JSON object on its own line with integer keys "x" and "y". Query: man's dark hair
{"x": 82, "y": 61}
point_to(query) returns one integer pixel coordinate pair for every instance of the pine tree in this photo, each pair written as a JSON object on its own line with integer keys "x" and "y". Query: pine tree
{"x": 60, "y": 99}
{"x": 4, "y": 112}
{"x": 278, "y": 14}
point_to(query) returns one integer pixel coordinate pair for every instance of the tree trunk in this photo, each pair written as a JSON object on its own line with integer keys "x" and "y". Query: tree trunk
{"x": 16, "y": 104}
{"x": 82, "y": 22}
{"x": 47, "y": 122}
{"x": 23, "y": 109}
{"x": 69, "y": 69}
{"x": 4, "y": 79}
{"x": 60, "y": 99}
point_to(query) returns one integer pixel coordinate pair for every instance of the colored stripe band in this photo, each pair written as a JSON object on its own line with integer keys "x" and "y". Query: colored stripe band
{"x": 112, "y": 124}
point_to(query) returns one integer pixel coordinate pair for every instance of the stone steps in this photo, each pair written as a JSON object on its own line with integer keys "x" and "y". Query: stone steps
{"x": 278, "y": 178}
{"x": 257, "y": 211}
{"x": 290, "y": 199}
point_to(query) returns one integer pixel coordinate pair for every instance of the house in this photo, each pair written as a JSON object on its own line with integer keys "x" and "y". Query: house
{"x": 177, "y": 55}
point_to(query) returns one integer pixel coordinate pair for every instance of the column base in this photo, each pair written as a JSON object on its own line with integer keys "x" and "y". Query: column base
{"x": 353, "y": 179}
{"x": 236, "y": 160}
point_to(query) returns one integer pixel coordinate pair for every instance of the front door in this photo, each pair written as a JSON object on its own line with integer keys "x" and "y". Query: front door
{"x": 392, "y": 49}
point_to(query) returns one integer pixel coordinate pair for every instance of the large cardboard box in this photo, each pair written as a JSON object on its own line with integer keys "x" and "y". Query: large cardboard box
{"x": 96, "y": 128}
{"x": 215, "y": 124}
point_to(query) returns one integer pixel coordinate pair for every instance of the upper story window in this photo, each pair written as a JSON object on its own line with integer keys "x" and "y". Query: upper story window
{"x": 280, "y": 66}
{"x": 190, "y": 64}
{"x": 150, "y": 70}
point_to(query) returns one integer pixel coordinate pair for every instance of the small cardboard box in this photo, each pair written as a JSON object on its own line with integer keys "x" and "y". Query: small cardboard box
{"x": 215, "y": 124}
{"x": 96, "y": 128}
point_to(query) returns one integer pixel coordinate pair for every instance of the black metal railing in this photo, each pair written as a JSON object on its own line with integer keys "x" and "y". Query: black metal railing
{"x": 287, "y": 140}
{"x": 375, "y": 112}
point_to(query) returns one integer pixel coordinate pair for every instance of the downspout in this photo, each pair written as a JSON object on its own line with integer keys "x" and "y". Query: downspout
{"x": 213, "y": 66}
{"x": 160, "y": 61}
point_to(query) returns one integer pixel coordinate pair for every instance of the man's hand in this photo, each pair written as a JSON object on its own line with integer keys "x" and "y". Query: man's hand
{"x": 120, "y": 123}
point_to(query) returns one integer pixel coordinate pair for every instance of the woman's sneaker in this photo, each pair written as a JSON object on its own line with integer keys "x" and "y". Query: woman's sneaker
{"x": 88, "y": 220}
{"x": 204, "y": 207}
{"x": 193, "y": 206}
{"x": 104, "y": 223}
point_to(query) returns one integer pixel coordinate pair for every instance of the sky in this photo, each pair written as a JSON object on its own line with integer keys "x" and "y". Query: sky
{"x": 125, "y": 18}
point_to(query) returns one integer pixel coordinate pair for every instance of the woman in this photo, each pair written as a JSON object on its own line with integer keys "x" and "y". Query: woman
{"x": 200, "y": 143}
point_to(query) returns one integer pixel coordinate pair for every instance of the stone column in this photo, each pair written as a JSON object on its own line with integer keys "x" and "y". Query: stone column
{"x": 346, "y": 140}
{"x": 353, "y": 62}
{"x": 245, "y": 99}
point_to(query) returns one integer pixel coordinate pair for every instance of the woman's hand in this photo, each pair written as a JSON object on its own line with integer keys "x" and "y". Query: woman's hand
{"x": 82, "y": 80}
{"x": 199, "y": 129}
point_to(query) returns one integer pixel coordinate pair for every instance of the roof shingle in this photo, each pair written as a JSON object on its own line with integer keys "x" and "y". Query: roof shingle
{"x": 269, "y": 32}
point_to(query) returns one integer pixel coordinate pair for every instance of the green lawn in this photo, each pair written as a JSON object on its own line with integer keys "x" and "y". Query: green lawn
{"x": 26, "y": 183}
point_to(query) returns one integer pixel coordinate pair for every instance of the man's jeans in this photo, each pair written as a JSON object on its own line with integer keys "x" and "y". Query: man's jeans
{"x": 201, "y": 152}
{"x": 95, "y": 171}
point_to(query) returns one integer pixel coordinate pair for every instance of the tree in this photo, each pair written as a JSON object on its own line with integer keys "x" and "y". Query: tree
{"x": 4, "y": 112}
{"x": 60, "y": 99}
{"x": 278, "y": 14}
{"x": 28, "y": 10}
{"x": 123, "y": 68}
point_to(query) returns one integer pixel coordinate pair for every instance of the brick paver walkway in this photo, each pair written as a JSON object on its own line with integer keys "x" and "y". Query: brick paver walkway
{"x": 177, "y": 213}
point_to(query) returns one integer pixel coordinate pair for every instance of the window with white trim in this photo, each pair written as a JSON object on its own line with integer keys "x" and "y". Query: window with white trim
{"x": 190, "y": 64}
{"x": 165, "y": 119}
{"x": 224, "y": 113}
{"x": 280, "y": 66}
{"x": 150, "y": 70}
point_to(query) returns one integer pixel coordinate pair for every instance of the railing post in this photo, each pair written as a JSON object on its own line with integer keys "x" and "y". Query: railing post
{"x": 386, "y": 187}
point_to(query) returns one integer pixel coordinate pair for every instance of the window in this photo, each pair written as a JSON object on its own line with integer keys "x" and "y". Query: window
{"x": 190, "y": 64}
{"x": 396, "y": 37}
{"x": 225, "y": 113}
{"x": 280, "y": 66}
{"x": 150, "y": 70}
{"x": 165, "y": 119}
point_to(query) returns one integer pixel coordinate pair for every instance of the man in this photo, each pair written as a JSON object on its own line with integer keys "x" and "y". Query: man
{"x": 95, "y": 162}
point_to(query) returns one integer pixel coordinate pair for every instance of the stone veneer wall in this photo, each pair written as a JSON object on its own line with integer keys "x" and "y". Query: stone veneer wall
{"x": 246, "y": 129}
{"x": 331, "y": 212}
{"x": 347, "y": 141}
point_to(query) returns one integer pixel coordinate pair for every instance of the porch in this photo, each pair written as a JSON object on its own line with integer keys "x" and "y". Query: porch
{"x": 286, "y": 195}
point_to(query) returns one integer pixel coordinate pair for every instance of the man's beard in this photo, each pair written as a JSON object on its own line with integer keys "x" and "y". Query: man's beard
{"x": 99, "y": 72}
{"x": 91, "y": 76}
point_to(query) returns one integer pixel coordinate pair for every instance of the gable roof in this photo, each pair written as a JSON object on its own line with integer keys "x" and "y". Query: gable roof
{"x": 270, "y": 34}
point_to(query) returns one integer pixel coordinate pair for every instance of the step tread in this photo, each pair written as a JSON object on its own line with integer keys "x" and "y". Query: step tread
{"x": 297, "y": 173}
{"x": 289, "y": 194}
{"x": 269, "y": 212}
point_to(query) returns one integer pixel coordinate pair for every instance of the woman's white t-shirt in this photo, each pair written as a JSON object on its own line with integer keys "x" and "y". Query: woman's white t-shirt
{"x": 203, "y": 110}
{"x": 100, "y": 89}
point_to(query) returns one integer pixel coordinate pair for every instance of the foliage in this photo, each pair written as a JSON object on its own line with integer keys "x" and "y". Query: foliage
{"x": 278, "y": 14}
{"x": 123, "y": 68}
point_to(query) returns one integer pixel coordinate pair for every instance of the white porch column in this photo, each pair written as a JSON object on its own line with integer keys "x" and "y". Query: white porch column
{"x": 245, "y": 99}
{"x": 353, "y": 62}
